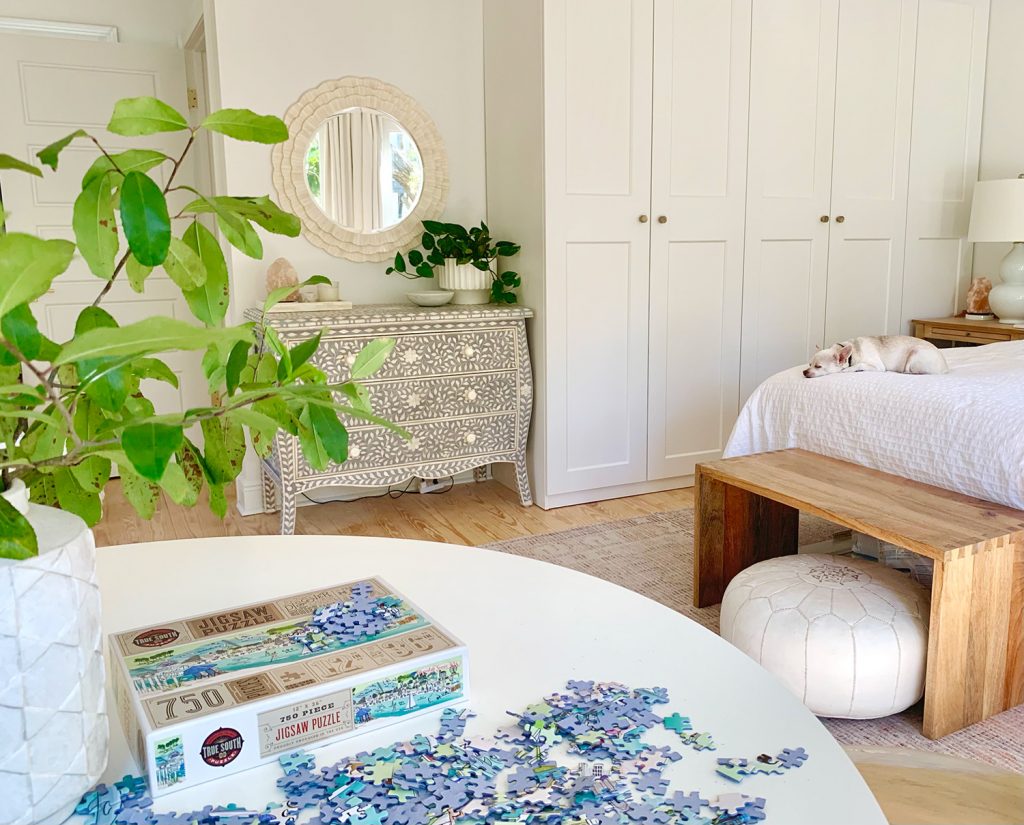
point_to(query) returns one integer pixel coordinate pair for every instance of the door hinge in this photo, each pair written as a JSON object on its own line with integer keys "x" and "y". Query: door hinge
{"x": 193, "y": 99}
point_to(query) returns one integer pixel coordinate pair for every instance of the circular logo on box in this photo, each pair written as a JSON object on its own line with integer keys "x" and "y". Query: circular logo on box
{"x": 221, "y": 747}
{"x": 156, "y": 638}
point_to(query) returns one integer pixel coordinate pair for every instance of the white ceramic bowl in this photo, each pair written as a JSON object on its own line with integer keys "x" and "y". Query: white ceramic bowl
{"x": 431, "y": 298}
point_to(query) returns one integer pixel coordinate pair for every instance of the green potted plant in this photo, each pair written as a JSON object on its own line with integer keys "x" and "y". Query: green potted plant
{"x": 73, "y": 412}
{"x": 468, "y": 259}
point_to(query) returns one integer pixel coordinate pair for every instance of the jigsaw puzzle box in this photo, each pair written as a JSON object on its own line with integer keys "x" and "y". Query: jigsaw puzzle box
{"x": 206, "y": 696}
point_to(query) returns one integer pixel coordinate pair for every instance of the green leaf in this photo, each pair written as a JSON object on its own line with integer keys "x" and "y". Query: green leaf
{"x": 19, "y": 327}
{"x": 218, "y": 500}
{"x": 137, "y": 273}
{"x": 130, "y": 160}
{"x": 156, "y": 334}
{"x": 83, "y": 503}
{"x": 434, "y": 227}
{"x": 304, "y": 350}
{"x": 184, "y": 266}
{"x": 371, "y": 358}
{"x": 224, "y": 448}
{"x": 154, "y": 369}
{"x": 243, "y": 124}
{"x": 415, "y": 257}
{"x": 261, "y": 210}
{"x": 425, "y": 270}
{"x": 17, "y": 538}
{"x": 427, "y": 241}
{"x": 191, "y": 464}
{"x": 144, "y": 217}
{"x": 149, "y": 447}
{"x": 399, "y": 262}
{"x": 176, "y": 484}
{"x": 135, "y": 116}
{"x": 9, "y": 162}
{"x": 141, "y": 494}
{"x": 277, "y": 295}
{"x": 209, "y": 302}
{"x": 262, "y": 428}
{"x": 95, "y": 227}
{"x": 49, "y": 155}
{"x": 237, "y": 360}
{"x": 93, "y": 472}
{"x": 27, "y": 267}
{"x": 240, "y": 234}
{"x": 104, "y": 380}
{"x": 312, "y": 447}
{"x": 330, "y": 431}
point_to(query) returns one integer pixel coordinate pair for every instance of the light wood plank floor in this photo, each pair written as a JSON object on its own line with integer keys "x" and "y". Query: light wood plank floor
{"x": 911, "y": 788}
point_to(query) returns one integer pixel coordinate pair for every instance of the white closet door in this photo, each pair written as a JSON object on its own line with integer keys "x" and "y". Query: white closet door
{"x": 870, "y": 165}
{"x": 598, "y": 162}
{"x": 701, "y": 76}
{"x": 949, "y": 88}
{"x": 792, "y": 95}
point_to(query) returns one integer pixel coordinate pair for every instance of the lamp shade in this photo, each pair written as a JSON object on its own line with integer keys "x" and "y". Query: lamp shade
{"x": 997, "y": 213}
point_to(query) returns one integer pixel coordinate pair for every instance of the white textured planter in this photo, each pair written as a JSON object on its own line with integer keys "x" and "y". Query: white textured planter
{"x": 471, "y": 285}
{"x": 53, "y": 721}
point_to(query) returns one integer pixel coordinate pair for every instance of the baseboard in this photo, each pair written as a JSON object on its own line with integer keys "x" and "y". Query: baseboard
{"x": 551, "y": 502}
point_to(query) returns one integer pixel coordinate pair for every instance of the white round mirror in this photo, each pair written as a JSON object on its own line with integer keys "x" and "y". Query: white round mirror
{"x": 364, "y": 170}
{"x": 364, "y": 165}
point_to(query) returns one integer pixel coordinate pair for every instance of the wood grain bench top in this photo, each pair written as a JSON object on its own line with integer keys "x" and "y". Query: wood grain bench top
{"x": 929, "y": 520}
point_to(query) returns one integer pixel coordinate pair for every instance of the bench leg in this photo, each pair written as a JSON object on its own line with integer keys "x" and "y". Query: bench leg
{"x": 735, "y": 529}
{"x": 976, "y": 637}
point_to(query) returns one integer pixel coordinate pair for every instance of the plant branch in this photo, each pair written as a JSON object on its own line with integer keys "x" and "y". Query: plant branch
{"x": 48, "y": 388}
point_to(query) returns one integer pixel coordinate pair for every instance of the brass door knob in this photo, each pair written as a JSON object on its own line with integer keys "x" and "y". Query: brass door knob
{"x": 662, "y": 218}
{"x": 823, "y": 219}
{"x": 643, "y": 219}
{"x": 840, "y": 218}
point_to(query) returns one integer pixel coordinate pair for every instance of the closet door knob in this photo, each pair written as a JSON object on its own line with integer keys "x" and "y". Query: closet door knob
{"x": 662, "y": 218}
{"x": 823, "y": 219}
{"x": 840, "y": 218}
{"x": 643, "y": 219}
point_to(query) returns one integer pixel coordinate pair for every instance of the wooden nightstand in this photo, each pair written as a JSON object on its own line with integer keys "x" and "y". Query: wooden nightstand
{"x": 962, "y": 331}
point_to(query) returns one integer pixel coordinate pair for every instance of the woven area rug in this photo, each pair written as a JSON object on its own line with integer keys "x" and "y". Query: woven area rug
{"x": 653, "y": 555}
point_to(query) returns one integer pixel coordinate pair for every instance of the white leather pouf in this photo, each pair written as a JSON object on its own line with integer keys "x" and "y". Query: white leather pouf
{"x": 848, "y": 636}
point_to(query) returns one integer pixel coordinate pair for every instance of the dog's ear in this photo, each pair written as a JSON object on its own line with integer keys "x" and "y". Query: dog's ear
{"x": 843, "y": 352}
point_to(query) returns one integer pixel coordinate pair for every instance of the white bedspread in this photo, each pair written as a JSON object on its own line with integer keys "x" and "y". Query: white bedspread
{"x": 963, "y": 431}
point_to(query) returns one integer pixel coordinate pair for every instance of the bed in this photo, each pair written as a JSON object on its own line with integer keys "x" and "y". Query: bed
{"x": 963, "y": 431}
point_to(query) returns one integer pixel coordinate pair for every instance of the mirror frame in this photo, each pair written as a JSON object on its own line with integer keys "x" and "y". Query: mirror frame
{"x": 304, "y": 118}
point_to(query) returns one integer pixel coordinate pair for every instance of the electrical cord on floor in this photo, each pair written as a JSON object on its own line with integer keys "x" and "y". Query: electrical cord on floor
{"x": 390, "y": 492}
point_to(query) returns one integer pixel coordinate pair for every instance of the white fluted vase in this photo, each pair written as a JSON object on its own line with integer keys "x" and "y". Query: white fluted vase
{"x": 53, "y": 720}
{"x": 471, "y": 285}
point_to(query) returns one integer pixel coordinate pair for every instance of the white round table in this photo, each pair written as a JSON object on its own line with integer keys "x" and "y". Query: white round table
{"x": 530, "y": 626}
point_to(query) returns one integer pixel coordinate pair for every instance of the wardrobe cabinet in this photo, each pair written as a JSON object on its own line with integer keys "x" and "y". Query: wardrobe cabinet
{"x": 706, "y": 190}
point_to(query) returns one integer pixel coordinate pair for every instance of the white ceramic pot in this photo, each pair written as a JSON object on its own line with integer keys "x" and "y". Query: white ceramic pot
{"x": 471, "y": 285}
{"x": 53, "y": 720}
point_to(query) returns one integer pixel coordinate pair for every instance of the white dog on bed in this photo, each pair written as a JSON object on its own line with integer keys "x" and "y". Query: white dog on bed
{"x": 886, "y": 353}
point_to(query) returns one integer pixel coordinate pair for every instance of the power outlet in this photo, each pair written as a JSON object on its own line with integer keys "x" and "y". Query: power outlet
{"x": 429, "y": 485}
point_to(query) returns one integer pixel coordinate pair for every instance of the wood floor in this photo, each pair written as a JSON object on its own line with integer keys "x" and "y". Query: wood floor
{"x": 910, "y": 787}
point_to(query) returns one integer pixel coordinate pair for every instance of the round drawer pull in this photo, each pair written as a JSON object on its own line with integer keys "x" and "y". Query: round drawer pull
{"x": 350, "y": 360}
{"x": 354, "y": 452}
{"x": 470, "y": 395}
{"x": 469, "y": 351}
{"x": 470, "y": 438}
{"x": 413, "y": 400}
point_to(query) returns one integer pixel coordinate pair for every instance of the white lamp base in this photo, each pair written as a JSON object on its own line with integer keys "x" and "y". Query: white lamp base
{"x": 1007, "y": 298}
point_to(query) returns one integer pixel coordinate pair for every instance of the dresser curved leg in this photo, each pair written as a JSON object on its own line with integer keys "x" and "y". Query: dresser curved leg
{"x": 269, "y": 491}
{"x": 480, "y": 473}
{"x": 523, "y": 481}
{"x": 287, "y": 511}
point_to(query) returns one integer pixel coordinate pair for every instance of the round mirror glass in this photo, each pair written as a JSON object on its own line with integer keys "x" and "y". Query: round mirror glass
{"x": 364, "y": 170}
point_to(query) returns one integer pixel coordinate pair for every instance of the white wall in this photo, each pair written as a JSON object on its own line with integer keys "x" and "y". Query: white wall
{"x": 267, "y": 53}
{"x": 1002, "y": 130}
{"x": 137, "y": 21}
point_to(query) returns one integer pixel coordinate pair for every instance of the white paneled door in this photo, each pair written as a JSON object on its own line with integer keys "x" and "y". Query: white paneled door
{"x": 870, "y": 163}
{"x": 701, "y": 74}
{"x": 49, "y": 88}
{"x": 792, "y": 101}
{"x": 598, "y": 167}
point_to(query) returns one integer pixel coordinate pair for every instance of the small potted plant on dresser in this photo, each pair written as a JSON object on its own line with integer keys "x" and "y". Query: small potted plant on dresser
{"x": 73, "y": 412}
{"x": 468, "y": 259}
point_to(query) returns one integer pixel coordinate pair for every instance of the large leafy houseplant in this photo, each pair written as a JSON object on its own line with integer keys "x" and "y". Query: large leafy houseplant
{"x": 474, "y": 246}
{"x": 71, "y": 411}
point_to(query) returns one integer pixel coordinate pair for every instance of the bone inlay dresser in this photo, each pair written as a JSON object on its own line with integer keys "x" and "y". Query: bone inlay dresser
{"x": 458, "y": 380}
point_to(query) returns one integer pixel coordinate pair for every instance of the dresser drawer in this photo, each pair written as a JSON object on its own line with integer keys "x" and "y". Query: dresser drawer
{"x": 453, "y": 396}
{"x": 431, "y": 442}
{"x": 423, "y": 354}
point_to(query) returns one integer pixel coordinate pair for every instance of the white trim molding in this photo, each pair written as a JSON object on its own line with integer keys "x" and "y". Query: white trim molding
{"x": 58, "y": 28}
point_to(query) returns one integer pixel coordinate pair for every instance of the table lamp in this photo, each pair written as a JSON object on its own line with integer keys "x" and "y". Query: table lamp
{"x": 997, "y": 215}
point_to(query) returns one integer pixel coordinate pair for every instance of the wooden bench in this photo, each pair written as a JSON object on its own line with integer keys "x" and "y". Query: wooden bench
{"x": 748, "y": 510}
